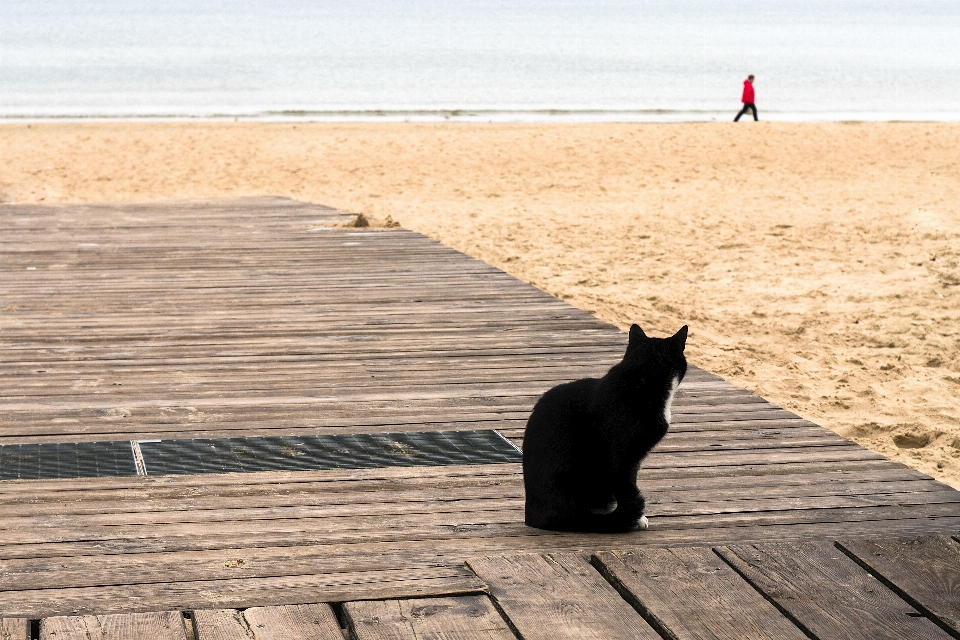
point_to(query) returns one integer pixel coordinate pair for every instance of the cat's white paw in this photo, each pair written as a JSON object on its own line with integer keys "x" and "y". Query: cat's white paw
{"x": 643, "y": 524}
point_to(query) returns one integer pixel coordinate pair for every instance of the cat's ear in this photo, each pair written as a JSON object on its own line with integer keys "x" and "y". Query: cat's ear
{"x": 636, "y": 334}
{"x": 680, "y": 338}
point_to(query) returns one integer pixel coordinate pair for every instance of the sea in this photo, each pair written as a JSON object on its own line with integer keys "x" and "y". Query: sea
{"x": 479, "y": 60}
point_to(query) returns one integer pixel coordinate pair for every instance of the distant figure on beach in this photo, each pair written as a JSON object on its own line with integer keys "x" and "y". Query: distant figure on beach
{"x": 747, "y": 99}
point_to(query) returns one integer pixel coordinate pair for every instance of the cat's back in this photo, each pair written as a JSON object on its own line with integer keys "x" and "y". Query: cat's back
{"x": 560, "y": 411}
{"x": 570, "y": 397}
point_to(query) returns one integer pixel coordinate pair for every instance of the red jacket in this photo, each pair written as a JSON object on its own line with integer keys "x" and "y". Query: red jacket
{"x": 747, "y": 92}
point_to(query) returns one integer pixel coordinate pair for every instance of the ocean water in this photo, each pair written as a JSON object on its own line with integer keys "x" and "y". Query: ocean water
{"x": 480, "y": 59}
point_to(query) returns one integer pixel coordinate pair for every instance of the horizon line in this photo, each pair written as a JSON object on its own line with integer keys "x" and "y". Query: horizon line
{"x": 502, "y": 115}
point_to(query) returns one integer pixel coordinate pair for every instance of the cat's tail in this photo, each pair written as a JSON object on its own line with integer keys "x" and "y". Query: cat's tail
{"x": 626, "y": 517}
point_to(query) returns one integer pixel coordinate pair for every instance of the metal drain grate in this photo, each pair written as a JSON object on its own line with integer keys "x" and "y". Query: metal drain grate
{"x": 354, "y": 451}
{"x": 48, "y": 461}
{"x": 274, "y": 453}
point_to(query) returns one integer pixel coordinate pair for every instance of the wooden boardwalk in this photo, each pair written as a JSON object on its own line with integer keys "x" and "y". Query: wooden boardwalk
{"x": 256, "y": 317}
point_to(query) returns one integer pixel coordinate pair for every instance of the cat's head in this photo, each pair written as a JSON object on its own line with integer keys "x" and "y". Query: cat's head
{"x": 661, "y": 358}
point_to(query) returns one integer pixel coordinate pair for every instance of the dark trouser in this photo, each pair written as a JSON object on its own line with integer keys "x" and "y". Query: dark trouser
{"x": 747, "y": 106}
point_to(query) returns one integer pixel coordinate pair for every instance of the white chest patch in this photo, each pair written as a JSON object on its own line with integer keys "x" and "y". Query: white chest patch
{"x": 666, "y": 407}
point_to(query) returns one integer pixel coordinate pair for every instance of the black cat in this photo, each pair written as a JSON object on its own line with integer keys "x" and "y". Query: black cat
{"x": 585, "y": 439}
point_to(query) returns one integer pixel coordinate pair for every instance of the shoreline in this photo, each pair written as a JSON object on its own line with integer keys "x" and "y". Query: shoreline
{"x": 536, "y": 116}
{"x": 817, "y": 264}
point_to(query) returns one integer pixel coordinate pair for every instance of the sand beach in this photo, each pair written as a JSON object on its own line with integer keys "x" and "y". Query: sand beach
{"x": 817, "y": 264}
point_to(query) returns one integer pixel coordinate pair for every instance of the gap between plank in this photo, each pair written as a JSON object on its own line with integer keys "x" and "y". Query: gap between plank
{"x": 930, "y": 615}
{"x": 776, "y": 604}
{"x": 645, "y": 613}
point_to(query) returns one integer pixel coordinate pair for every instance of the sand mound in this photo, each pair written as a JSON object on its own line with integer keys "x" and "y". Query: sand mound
{"x": 362, "y": 221}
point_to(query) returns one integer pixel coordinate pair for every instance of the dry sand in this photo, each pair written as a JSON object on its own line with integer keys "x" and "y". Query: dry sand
{"x": 817, "y": 264}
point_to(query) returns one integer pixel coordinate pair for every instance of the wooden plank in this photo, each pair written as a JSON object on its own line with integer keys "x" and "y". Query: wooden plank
{"x": 253, "y": 496}
{"x": 324, "y": 368}
{"x": 220, "y": 624}
{"x": 437, "y": 495}
{"x": 255, "y": 337}
{"x": 358, "y": 520}
{"x": 76, "y": 491}
{"x": 242, "y": 592}
{"x": 446, "y": 540}
{"x": 30, "y": 386}
{"x": 359, "y": 552}
{"x": 14, "y": 629}
{"x": 416, "y": 548}
{"x": 270, "y": 421}
{"x": 239, "y": 532}
{"x": 463, "y": 618}
{"x": 828, "y": 594}
{"x": 556, "y": 596}
{"x": 293, "y": 622}
{"x": 671, "y": 498}
{"x": 488, "y": 494}
{"x": 91, "y": 419}
{"x": 285, "y": 622}
{"x": 690, "y": 593}
{"x": 167, "y": 625}
{"x": 140, "y": 488}
{"x": 457, "y": 488}
{"x": 891, "y": 514}
{"x": 299, "y": 554}
{"x": 350, "y": 522}
{"x": 924, "y": 571}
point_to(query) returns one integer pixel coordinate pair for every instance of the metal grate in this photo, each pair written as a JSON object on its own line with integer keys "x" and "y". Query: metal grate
{"x": 353, "y": 451}
{"x": 49, "y": 461}
{"x": 275, "y": 453}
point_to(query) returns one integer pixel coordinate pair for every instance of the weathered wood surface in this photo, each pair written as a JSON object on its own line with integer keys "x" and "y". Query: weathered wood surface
{"x": 293, "y": 622}
{"x": 167, "y": 625}
{"x": 681, "y": 593}
{"x": 827, "y": 593}
{"x": 691, "y": 594}
{"x": 558, "y": 596}
{"x": 925, "y": 571}
{"x": 333, "y": 586}
{"x": 463, "y": 618}
{"x": 290, "y": 622}
{"x": 257, "y": 317}
{"x": 14, "y": 629}
{"x": 220, "y": 624}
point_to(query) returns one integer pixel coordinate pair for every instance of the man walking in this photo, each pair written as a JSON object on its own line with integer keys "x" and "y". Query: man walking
{"x": 747, "y": 99}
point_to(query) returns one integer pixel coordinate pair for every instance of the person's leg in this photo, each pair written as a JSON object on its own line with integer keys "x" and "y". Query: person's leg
{"x": 753, "y": 108}
{"x": 742, "y": 111}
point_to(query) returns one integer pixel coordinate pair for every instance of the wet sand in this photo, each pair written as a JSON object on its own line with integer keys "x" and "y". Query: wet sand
{"x": 817, "y": 265}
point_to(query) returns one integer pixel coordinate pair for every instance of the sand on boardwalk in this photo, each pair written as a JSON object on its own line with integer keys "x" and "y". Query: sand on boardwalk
{"x": 817, "y": 265}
